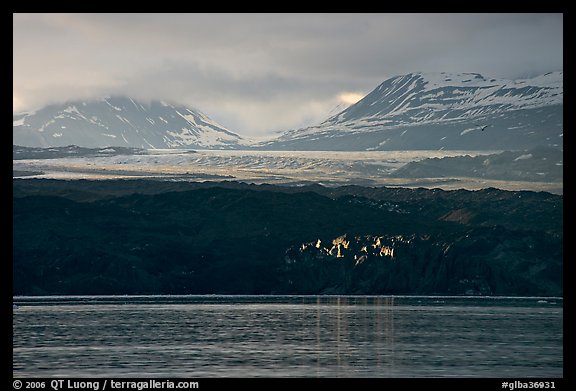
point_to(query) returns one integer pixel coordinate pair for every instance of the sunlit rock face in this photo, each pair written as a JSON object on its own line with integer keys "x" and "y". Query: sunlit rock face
{"x": 359, "y": 248}
{"x": 474, "y": 262}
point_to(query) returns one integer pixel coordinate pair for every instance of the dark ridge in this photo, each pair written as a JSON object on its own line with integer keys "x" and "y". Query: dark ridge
{"x": 154, "y": 237}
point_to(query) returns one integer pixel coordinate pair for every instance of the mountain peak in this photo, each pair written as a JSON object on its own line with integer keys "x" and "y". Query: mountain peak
{"x": 429, "y": 97}
{"x": 121, "y": 121}
{"x": 436, "y": 110}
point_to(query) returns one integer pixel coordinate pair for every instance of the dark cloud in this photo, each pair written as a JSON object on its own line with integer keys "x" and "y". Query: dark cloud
{"x": 258, "y": 73}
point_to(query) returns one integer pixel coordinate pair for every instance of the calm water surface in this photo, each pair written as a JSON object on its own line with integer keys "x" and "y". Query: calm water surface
{"x": 279, "y": 336}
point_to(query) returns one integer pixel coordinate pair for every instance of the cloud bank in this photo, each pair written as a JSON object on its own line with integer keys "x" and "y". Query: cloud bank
{"x": 258, "y": 74}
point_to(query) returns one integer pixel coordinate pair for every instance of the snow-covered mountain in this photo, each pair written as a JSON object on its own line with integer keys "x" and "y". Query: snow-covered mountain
{"x": 431, "y": 111}
{"x": 417, "y": 111}
{"x": 121, "y": 121}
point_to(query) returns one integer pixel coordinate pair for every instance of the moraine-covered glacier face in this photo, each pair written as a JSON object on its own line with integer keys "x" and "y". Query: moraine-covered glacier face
{"x": 443, "y": 111}
{"x": 120, "y": 121}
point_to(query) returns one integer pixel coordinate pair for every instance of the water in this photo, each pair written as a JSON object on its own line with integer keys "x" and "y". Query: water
{"x": 281, "y": 336}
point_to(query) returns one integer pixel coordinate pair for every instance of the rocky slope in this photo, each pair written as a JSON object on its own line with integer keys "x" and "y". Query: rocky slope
{"x": 537, "y": 164}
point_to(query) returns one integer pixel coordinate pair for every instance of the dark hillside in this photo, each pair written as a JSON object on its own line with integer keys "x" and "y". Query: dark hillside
{"x": 136, "y": 237}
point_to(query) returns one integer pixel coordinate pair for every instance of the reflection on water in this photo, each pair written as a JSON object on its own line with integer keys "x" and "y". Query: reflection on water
{"x": 361, "y": 340}
{"x": 274, "y": 336}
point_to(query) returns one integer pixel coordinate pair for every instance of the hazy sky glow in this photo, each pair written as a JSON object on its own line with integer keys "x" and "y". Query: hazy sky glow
{"x": 262, "y": 73}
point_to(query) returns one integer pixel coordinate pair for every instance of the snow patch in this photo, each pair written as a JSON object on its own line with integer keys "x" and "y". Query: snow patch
{"x": 71, "y": 109}
{"x": 146, "y": 141}
{"x": 135, "y": 105}
{"x": 18, "y": 122}
{"x": 524, "y": 157}
{"x": 111, "y": 105}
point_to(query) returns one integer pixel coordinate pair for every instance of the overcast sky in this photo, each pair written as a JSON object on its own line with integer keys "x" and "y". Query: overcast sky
{"x": 262, "y": 73}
